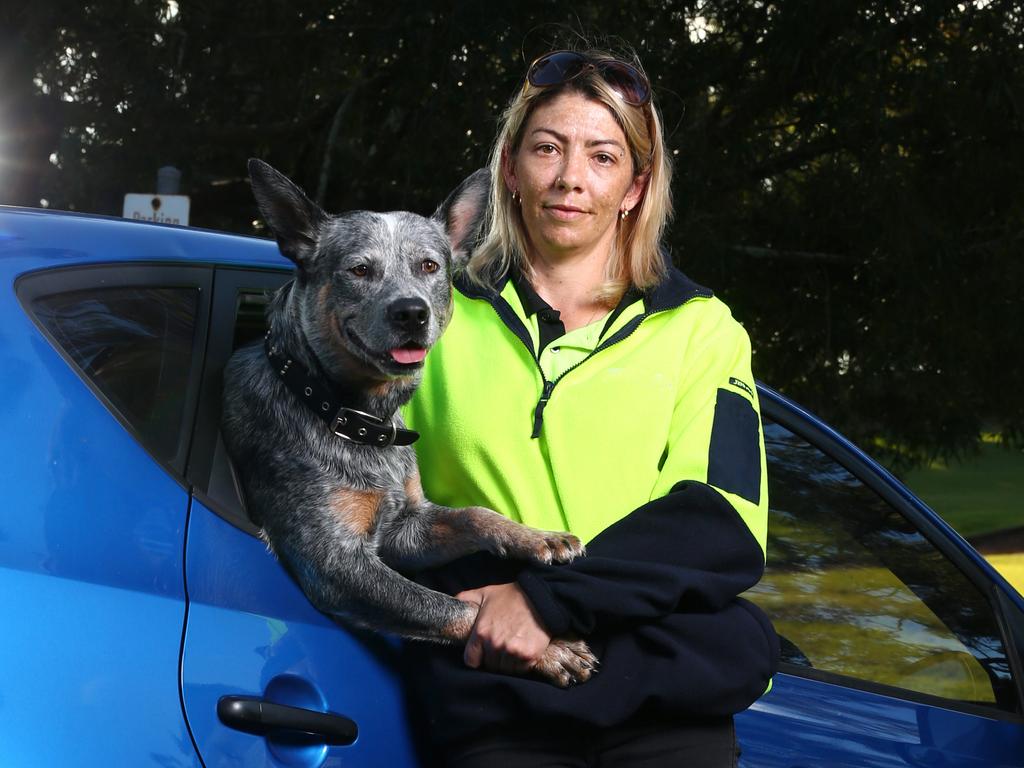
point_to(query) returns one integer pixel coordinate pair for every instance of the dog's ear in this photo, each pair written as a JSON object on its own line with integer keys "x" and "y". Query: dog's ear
{"x": 294, "y": 219}
{"x": 463, "y": 214}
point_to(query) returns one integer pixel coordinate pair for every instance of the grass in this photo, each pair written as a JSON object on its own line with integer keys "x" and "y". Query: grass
{"x": 979, "y": 495}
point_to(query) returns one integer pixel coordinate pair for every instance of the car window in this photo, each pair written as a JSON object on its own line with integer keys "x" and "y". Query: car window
{"x": 135, "y": 345}
{"x": 250, "y": 319}
{"x": 223, "y": 489}
{"x": 237, "y": 319}
{"x": 854, "y": 589}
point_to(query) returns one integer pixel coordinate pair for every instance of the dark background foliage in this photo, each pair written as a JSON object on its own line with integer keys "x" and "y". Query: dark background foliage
{"x": 850, "y": 174}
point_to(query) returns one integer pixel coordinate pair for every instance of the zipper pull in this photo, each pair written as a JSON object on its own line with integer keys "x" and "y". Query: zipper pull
{"x": 538, "y": 412}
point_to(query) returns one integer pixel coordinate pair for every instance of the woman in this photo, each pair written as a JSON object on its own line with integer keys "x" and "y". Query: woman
{"x": 586, "y": 385}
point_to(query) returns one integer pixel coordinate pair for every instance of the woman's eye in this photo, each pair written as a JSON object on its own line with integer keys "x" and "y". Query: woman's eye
{"x": 604, "y": 159}
{"x": 430, "y": 266}
{"x": 360, "y": 270}
{"x": 546, "y": 149}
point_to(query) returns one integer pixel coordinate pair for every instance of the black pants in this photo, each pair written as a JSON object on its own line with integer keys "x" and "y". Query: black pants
{"x": 644, "y": 744}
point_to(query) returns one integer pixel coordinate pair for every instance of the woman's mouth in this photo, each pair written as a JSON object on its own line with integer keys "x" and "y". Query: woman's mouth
{"x": 565, "y": 212}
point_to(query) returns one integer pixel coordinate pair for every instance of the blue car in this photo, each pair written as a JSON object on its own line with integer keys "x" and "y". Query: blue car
{"x": 145, "y": 622}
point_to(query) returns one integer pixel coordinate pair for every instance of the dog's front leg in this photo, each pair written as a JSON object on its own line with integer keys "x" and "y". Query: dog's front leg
{"x": 361, "y": 588}
{"x": 424, "y": 534}
{"x": 368, "y": 592}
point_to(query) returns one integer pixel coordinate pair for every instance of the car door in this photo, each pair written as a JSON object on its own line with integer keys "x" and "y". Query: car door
{"x": 256, "y": 655}
{"x": 900, "y": 647}
{"x": 101, "y": 371}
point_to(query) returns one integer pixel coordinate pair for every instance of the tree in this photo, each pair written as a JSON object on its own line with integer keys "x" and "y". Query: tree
{"x": 848, "y": 173}
{"x": 869, "y": 157}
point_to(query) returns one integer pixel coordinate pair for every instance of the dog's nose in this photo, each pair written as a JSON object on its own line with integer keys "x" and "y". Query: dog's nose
{"x": 409, "y": 314}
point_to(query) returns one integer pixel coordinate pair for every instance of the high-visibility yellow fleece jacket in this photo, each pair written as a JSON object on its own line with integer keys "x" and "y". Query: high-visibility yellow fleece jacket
{"x": 651, "y": 451}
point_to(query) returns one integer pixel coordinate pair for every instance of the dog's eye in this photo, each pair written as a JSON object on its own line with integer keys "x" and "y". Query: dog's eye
{"x": 430, "y": 266}
{"x": 360, "y": 270}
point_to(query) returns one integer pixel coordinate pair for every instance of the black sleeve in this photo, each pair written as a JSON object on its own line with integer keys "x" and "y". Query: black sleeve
{"x": 686, "y": 551}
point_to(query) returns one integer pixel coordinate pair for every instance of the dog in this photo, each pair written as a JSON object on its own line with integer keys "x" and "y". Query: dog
{"x": 311, "y": 422}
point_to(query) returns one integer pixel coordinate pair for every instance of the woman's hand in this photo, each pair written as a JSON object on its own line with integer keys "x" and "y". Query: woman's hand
{"x": 508, "y": 635}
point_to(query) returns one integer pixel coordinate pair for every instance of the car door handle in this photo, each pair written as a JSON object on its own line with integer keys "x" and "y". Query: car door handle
{"x": 255, "y": 715}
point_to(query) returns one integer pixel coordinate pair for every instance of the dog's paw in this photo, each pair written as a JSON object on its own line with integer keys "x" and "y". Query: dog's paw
{"x": 548, "y": 547}
{"x": 566, "y": 663}
{"x": 561, "y": 547}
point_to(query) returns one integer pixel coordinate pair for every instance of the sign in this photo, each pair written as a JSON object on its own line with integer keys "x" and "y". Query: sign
{"x": 164, "y": 209}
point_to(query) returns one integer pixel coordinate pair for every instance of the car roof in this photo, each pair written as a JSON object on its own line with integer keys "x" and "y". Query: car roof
{"x": 33, "y": 239}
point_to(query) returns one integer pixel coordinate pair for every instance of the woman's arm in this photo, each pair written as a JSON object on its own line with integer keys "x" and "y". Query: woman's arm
{"x": 687, "y": 551}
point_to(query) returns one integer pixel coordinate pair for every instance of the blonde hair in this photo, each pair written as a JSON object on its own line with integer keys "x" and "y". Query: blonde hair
{"x": 635, "y": 257}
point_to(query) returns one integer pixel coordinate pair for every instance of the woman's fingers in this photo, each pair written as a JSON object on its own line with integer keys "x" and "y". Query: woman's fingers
{"x": 473, "y": 654}
{"x": 507, "y": 636}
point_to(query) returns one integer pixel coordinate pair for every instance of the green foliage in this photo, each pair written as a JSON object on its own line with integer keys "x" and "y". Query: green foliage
{"x": 850, "y": 175}
{"x": 978, "y": 495}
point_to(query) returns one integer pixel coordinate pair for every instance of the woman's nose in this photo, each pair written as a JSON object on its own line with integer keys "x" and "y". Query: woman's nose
{"x": 571, "y": 175}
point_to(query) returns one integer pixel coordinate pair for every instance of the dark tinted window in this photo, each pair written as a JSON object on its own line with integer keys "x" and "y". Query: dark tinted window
{"x": 238, "y": 318}
{"x": 135, "y": 345}
{"x": 250, "y": 317}
{"x": 855, "y": 589}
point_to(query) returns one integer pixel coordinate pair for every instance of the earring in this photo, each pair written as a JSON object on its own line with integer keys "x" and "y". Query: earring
{"x": 623, "y": 214}
{"x": 516, "y": 199}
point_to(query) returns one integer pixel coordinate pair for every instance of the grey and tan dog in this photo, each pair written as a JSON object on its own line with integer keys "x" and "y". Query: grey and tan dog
{"x": 311, "y": 422}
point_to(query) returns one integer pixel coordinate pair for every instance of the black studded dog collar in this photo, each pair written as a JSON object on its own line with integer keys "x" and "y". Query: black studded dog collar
{"x": 347, "y": 423}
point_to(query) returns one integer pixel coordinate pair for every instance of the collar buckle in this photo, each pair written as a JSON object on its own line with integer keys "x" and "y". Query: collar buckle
{"x": 363, "y": 428}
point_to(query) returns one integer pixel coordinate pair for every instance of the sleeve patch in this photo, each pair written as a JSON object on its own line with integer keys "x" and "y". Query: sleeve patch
{"x": 741, "y": 385}
{"x": 734, "y": 456}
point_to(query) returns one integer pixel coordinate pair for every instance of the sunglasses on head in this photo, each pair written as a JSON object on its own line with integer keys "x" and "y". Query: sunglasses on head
{"x": 559, "y": 67}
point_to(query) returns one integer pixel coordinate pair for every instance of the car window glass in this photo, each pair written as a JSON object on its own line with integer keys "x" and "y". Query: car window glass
{"x": 854, "y": 589}
{"x": 250, "y": 319}
{"x": 239, "y": 319}
{"x": 135, "y": 345}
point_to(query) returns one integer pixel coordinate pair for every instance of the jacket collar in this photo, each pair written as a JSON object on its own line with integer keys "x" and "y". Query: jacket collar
{"x": 673, "y": 291}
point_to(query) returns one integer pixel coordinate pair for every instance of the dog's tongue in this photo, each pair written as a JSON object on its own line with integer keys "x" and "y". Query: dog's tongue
{"x": 405, "y": 355}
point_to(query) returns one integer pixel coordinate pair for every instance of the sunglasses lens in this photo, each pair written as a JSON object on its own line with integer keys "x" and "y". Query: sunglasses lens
{"x": 561, "y": 66}
{"x": 628, "y": 81}
{"x": 555, "y": 68}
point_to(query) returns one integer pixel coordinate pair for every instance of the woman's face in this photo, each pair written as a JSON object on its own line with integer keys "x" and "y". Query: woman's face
{"x": 574, "y": 173}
